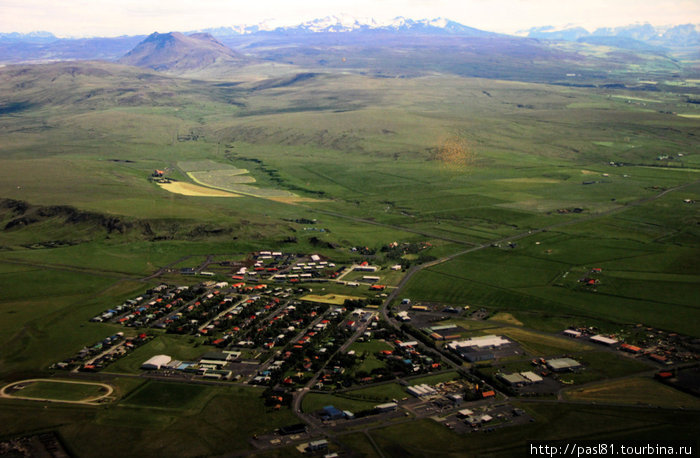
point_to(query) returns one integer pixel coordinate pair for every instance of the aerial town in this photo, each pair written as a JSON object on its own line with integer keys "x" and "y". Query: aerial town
{"x": 320, "y": 338}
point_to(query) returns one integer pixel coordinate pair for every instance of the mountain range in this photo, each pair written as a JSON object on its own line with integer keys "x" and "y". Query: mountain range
{"x": 398, "y": 48}
{"x": 344, "y": 23}
{"x": 686, "y": 35}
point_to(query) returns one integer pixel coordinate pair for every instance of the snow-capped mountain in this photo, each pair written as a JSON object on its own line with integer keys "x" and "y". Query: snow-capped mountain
{"x": 346, "y": 23}
{"x": 31, "y": 37}
{"x": 678, "y": 35}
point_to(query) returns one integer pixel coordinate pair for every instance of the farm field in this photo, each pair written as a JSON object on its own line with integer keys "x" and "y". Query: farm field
{"x": 634, "y": 391}
{"x": 227, "y": 178}
{"x": 189, "y": 189}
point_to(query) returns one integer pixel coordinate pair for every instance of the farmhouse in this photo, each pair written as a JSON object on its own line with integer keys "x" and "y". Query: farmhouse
{"x": 572, "y": 333}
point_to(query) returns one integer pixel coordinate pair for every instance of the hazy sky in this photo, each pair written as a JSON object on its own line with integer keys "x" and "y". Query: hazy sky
{"x": 128, "y": 17}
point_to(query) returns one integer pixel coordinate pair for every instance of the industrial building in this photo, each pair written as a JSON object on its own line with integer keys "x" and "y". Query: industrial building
{"x": 314, "y": 446}
{"x": 421, "y": 390}
{"x": 332, "y": 413}
{"x": 478, "y": 348}
{"x": 480, "y": 343}
{"x": 156, "y": 362}
{"x": 464, "y": 413}
{"x": 520, "y": 379}
{"x": 563, "y": 364}
{"x": 603, "y": 340}
{"x": 387, "y": 407}
{"x": 531, "y": 377}
{"x": 513, "y": 379}
{"x": 365, "y": 268}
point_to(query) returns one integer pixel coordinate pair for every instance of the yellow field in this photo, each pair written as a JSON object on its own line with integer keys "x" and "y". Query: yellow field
{"x": 689, "y": 115}
{"x": 333, "y": 299}
{"x": 539, "y": 344}
{"x": 634, "y": 391}
{"x": 639, "y": 99}
{"x": 189, "y": 189}
{"x": 295, "y": 199}
{"x": 506, "y": 318}
{"x": 529, "y": 180}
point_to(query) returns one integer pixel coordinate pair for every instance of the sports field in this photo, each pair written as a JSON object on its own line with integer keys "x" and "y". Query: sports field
{"x": 56, "y": 390}
{"x": 334, "y": 299}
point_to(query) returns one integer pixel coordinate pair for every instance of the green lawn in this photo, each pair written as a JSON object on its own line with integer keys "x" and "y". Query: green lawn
{"x": 166, "y": 395}
{"x": 634, "y": 391}
{"x": 316, "y": 401}
{"x": 434, "y": 379}
{"x": 61, "y": 391}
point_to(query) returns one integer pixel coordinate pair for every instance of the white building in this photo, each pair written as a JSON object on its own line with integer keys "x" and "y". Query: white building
{"x": 603, "y": 340}
{"x": 156, "y": 362}
{"x": 572, "y": 333}
{"x": 483, "y": 342}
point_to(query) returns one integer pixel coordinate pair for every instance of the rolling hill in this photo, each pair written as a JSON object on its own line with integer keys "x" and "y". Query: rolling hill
{"x": 176, "y": 51}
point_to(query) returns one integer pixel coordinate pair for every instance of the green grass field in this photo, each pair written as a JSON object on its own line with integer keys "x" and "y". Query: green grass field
{"x": 435, "y": 379}
{"x": 210, "y": 425}
{"x": 61, "y": 391}
{"x": 317, "y": 401}
{"x": 167, "y": 396}
{"x": 636, "y": 391}
{"x": 458, "y": 162}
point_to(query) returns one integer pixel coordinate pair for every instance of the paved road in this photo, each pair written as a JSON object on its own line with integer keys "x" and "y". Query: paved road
{"x": 299, "y": 395}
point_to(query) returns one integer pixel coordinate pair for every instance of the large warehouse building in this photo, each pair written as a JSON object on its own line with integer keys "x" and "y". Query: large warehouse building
{"x": 156, "y": 362}
{"x": 480, "y": 343}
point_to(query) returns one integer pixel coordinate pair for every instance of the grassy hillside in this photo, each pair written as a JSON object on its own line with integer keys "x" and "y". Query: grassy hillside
{"x": 585, "y": 177}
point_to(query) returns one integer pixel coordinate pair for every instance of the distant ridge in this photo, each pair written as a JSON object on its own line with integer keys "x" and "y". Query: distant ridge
{"x": 177, "y": 51}
{"x": 31, "y": 37}
{"x": 685, "y": 35}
